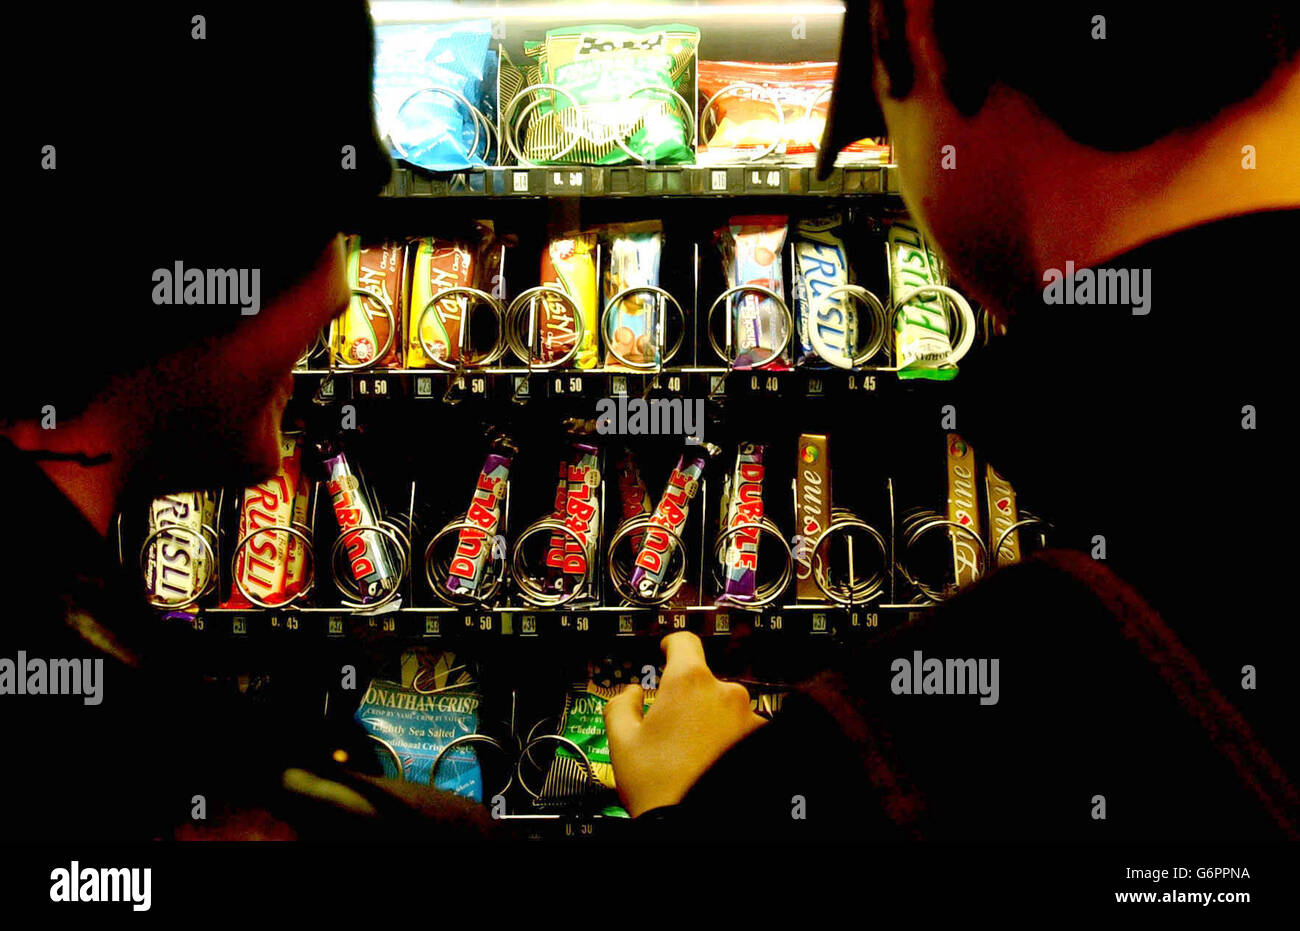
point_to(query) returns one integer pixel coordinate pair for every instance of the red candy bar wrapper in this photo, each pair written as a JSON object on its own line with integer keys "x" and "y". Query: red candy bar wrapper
{"x": 674, "y": 507}
{"x": 751, "y": 253}
{"x": 365, "y": 328}
{"x": 555, "y": 551}
{"x": 474, "y": 544}
{"x": 262, "y": 563}
{"x": 436, "y": 265}
{"x": 634, "y": 499}
{"x": 742, "y": 503}
{"x": 177, "y": 565}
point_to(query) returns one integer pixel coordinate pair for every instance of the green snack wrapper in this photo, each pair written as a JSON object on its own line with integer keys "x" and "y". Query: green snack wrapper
{"x": 921, "y": 339}
{"x": 605, "y": 69}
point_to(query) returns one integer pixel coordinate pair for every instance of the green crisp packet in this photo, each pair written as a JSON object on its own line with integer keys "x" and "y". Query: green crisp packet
{"x": 583, "y": 722}
{"x": 619, "y": 78}
{"x": 922, "y": 343}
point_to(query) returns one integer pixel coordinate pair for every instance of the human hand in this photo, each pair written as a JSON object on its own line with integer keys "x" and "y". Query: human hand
{"x": 696, "y": 718}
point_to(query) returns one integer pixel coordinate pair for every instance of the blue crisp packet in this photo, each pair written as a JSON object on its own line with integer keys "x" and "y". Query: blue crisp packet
{"x": 433, "y": 130}
{"x": 417, "y": 726}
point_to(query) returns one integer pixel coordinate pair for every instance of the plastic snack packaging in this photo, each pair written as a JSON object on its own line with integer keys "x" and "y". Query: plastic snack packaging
{"x": 415, "y": 719}
{"x": 474, "y": 545}
{"x": 363, "y": 329}
{"x": 634, "y": 254}
{"x": 434, "y": 130}
{"x": 742, "y": 507}
{"x": 605, "y": 70}
{"x": 177, "y": 565}
{"x": 751, "y": 254}
{"x": 437, "y": 264}
{"x": 583, "y": 722}
{"x": 569, "y": 264}
{"x": 921, "y": 337}
{"x": 657, "y": 547}
{"x": 742, "y": 120}
{"x": 828, "y": 326}
{"x": 262, "y": 564}
{"x": 368, "y": 555}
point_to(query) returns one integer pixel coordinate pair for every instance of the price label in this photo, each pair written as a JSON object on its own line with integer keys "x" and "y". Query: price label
{"x": 239, "y": 626}
{"x": 424, "y": 386}
{"x": 433, "y": 627}
{"x": 528, "y": 625}
{"x": 334, "y": 626}
{"x": 721, "y": 624}
{"x": 626, "y": 625}
{"x": 819, "y": 623}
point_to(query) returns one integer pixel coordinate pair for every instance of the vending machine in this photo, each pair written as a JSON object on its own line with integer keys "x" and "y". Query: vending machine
{"x": 618, "y": 362}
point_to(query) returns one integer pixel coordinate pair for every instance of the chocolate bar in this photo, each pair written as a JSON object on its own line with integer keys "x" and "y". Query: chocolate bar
{"x": 742, "y": 504}
{"x": 365, "y": 328}
{"x": 474, "y": 544}
{"x": 812, "y": 499}
{"x": 963, "y": 509}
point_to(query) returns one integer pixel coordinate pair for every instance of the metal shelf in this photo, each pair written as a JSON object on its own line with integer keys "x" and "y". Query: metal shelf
{"x": 751, "y": 180}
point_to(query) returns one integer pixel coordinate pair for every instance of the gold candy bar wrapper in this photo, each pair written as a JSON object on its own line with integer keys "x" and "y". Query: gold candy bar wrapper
{"x": 963, "y": 509}
{"x": 177, "y": 566}
{"x": 921, "y": 339}
{"x": 367, "y": 327}
{"x": 812, "y": 491}
{"x": 569, "y": 264}
{"x": 1002, "y": 516}
{"x": 437, "y": 264}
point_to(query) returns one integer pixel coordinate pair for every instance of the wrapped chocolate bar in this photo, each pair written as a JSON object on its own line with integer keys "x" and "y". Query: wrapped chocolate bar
{"x": 436, "y": 702}
{"x": 369, "y": 557}
{"x": 742, "y": 512}
{"x": 651, "y": 564}
{"x": 963, "y": 509}
{"x": 369, "y": 331}
{"x": 583, "y": 723}
{"x": 922, "y": 342}
{"x": 579, "y": 508}
{"x": 751, "y": 254}
{"x": 635, "y": 323}
{"x": 827, "y": 324}
{"x": 296, "y": 578}
{"x": 1004, "y": 538}
{"x": 812, "y": 504}
{"x": 179, "y": 563}
{"x": 569, "y": 264}
{"x": 437, "y": 264}
{"x": 634, "y": 499}
{"x": 475, "y": 544}
{"x": 262, "y": 561}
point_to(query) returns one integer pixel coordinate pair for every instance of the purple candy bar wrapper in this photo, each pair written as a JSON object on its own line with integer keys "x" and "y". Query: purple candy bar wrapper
{"x": 367, "y": 555}
{"x": 474, "y": 544}
{"x": 743, "y": 507}
{"x": 674, "y": 507}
